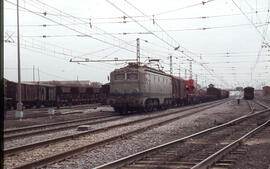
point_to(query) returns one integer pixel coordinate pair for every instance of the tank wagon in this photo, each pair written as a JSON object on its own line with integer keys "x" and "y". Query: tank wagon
{"x": 248, "y": 93}
{"x": 141, "y": 88}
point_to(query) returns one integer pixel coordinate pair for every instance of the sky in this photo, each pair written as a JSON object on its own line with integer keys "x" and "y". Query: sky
{"x": 224, "y": 41}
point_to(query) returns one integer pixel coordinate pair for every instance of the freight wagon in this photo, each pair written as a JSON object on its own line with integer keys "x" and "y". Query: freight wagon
{"x": 179, "y": 94}
{"x": 37, "y": 94}
{"x": 248, "y": 93}
{"x": 31, "y": 94}
{"x": 104, "y": 93}
{"x": 213, "y": 93}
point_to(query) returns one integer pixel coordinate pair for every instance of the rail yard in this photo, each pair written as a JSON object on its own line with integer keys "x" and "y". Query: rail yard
{"x": 120, "y": 84}
{"x": 162, "y": 138}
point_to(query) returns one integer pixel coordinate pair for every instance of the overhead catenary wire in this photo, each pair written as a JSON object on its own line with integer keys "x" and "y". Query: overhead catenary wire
{"x": 72, "y": 29}
{"x": 259, "y": 32}
{"x": 175, "y": 46}
{"x": 104, "y": 32}
{"x": 145, "y": 33}
{"x": 262, "y": 34}
{"x": 125, "y": 21}
{"x": 87, "y": 22}
{"x": 149, "y": 50}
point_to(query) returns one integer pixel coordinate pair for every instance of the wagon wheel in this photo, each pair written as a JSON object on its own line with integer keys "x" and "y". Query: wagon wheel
{"x": 118, "y": 110}
{"x": 148, "y": 106}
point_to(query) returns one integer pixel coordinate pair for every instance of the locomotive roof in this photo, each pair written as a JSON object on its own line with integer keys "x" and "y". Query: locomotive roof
{"x": 136, "y": 67}
{"x": 249, "y": 87}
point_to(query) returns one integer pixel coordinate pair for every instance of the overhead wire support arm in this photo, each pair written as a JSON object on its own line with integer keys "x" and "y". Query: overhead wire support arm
{"x": 107, "y": 60}
{"x": 176, "y": 46}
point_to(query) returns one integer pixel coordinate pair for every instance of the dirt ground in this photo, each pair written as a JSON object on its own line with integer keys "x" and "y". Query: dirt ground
{"x": 258, "y": 154}
{"x": 59, "y": 116}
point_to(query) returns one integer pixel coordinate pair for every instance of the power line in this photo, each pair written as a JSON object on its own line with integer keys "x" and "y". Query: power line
{"x": 175, "y": 47}
{"x": 82, "y": 33}
{"x": 259, "y": 32}
{"x": 145, "y": 33}
{"x": 186, "y": 7}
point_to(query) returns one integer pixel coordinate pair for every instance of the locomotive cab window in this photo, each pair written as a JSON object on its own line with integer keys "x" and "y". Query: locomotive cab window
{"x": 119, "y": 76}
{"x": 132, "y": 76}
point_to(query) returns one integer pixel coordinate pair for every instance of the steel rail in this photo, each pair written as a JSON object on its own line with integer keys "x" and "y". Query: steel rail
{"x": 61, "y": 156}
{"x": 57, "y": 129}
{"x": 68, "y": 127}
{"x": 44, "y": 112}
{"x": 261, "y": 104}
{"x": 7, "y": 131}
{"x": 140, "y": 155}
{"x": 209, "y": 161}
{"x": 250, "y": 107}
{"x": 71, "y": 121}
{"x": 55, "y": 140}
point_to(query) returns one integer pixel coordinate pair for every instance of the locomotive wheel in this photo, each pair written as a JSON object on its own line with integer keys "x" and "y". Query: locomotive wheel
{"x": 125, "y": 110}
{"x": 121, "y": 110}
{"x": 148, "y": 106}
{"x": 118, "y": 110}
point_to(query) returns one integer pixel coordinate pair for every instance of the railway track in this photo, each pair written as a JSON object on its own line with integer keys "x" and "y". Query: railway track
{"x": 236, "y": 148}
{"x": 261, "y": 104}
{"x": 10, "y": 134}
{"x": 199, "y": 150}
{"x": 19, "y": 133}
{"x": 134, "y": 127}
{"x": 43, "y": 112}
{"x": 256, "y": 105}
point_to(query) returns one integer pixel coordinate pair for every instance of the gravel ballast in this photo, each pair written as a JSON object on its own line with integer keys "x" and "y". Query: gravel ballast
{"x": 157, "y": 136}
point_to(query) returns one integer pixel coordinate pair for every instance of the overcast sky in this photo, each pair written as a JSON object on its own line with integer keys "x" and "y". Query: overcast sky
{"x": 226, "y": 40}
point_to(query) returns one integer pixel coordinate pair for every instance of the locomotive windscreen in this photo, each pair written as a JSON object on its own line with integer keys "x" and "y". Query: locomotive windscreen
{"x": 132, "y": 76}
{"x": 119, "y": 76}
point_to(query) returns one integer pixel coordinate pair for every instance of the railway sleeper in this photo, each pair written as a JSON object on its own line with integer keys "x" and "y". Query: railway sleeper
{"x": 167, "y": 166}
{"x": 230, "y": 159}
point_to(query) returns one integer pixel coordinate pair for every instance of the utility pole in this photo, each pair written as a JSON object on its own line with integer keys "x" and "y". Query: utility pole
{"x": 2, "y": 82}
{"x": 138, "y": 51}
{"x": 33, "y": 73}
{"x": 190, "y": 69}
{"x": 196, "y": 79}
{"x": 19, "y": 112}
{"x": 38, "y": 76}
{"x": 179, "y": 69}
{"x": 250, "y": 74}
{"x": 171, "y": 69}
